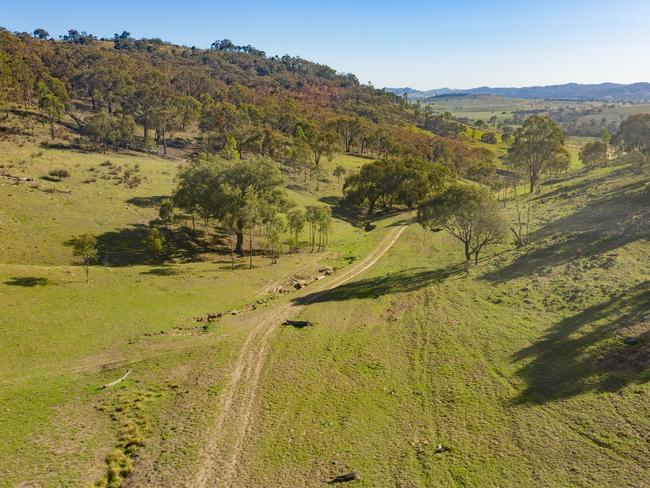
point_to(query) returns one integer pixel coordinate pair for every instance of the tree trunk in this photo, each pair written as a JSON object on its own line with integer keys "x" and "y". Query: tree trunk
{"x": 250, "y": 248}
{"x": 232, "y": 254}
{"x": 468, "y": 257}
{"x": 239, "y": 245}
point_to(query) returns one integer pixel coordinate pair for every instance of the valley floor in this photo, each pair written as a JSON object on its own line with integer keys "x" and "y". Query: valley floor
{"x": 519, "y": 371}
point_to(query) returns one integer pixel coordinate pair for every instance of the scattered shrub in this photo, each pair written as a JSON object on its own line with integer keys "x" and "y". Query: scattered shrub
{"x": 489, "y": 138}
{"x": 59, "y": 173}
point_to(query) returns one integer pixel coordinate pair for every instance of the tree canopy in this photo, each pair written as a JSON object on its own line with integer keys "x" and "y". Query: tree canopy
{"x": 394, "y": 181}
{"x": 537, "y": 143}
{"x": 634, "y": 133}
{"x": 469, "y": 213}
{"x": 239, "y": 193}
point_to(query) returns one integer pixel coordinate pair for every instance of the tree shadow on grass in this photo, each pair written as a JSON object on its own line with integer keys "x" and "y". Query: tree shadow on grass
{"x": 28, "y": 281}
{"x": 162, "y": 271}
{"x": 152, "y": 201}
{"x": 401, "y": 282}
{"x": 584, "y": 183}
{"x": 124, "y": 247}
{"x": 354, "y": 215}
{"x": 51, "y": 179}
{"x": 586, "y": 352}
{"x": 617, "y": 219}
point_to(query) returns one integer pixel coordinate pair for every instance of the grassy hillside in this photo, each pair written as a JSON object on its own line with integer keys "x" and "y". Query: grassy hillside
{"x": 64, "y": 338}
{"x": 519, "y": 370}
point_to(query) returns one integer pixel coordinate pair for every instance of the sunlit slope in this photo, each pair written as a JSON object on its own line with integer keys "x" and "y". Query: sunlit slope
{"x": 519, "y": 371}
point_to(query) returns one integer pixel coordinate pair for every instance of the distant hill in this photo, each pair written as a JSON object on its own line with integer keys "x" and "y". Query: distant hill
{"x": 569, "y": 91}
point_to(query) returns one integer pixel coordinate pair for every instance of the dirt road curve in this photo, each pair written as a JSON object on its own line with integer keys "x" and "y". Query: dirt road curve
{"x": 222, "y": 452}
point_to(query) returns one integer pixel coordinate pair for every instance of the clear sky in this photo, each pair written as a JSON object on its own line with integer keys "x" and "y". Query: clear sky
{"x": 457, "y": 44}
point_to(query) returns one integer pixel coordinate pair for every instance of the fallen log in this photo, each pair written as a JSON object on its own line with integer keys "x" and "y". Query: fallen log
{"x": 117, "y": 381}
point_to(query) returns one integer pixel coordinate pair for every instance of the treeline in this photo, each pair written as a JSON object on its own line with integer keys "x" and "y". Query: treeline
{"x": 575, "y": 121}
{"x": 227, "y": 89}
{"x": 229, "y": 100}
{"x": 241, "y": 196}
{"x": 538, "y": 148}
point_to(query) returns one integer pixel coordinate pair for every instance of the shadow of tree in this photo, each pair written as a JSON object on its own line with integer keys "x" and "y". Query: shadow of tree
{"x": 401, "y": 282}
{"x": 355, "y": 215}
{"x": 586, "y": 352}
{"x": 584, "y": 183}
{"x": 162, "y": 271}
{"x": 617, "y": 219}
{"x": 51, "y": 179}
{"x": 124, "y": 247}
{"x": 28, "y": 281}
{"x": 147, "y": 202}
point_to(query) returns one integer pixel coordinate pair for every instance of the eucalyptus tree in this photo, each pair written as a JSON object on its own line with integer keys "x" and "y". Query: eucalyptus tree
{"x": 467, "y": 212}
{"x": 537, "y": 144}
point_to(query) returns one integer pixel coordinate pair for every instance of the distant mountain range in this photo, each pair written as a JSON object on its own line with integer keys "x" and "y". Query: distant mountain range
{"x": 569, "y": 91}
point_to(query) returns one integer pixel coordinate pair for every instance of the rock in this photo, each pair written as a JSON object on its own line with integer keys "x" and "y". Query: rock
{"x": 631, "y": 341}
{"x": 440, "y": 448}
{"x": 326, "y": 271}
{"x": 344, "y": 478}
{"x": 212, "y": 316}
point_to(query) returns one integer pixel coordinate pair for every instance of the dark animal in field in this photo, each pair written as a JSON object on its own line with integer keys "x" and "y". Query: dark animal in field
{"x": 344, "y": 478}
{"x": 298, "y": 324}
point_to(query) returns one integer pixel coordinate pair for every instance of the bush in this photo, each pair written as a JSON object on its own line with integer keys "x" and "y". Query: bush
{"x": 59, "y": 174}
{"x": 489, "y": 138}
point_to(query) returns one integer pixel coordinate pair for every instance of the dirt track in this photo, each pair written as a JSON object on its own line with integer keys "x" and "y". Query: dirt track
{"x": 221, "y": 454}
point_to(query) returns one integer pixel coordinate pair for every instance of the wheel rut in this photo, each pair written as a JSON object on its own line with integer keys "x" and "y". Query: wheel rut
{"x": 222, "y": 452}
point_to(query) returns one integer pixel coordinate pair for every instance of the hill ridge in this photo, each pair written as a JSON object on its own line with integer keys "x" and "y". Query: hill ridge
{"x": 639, "y": 91}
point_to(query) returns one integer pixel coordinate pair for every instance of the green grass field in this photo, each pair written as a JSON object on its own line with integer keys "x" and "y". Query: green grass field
{"x": 483, "y": 107}
{"x": 63, "y": 337}
{"x": 519, "y": 370}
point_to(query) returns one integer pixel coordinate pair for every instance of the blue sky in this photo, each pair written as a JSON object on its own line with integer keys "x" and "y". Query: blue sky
{"x": 457, "y": 44}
